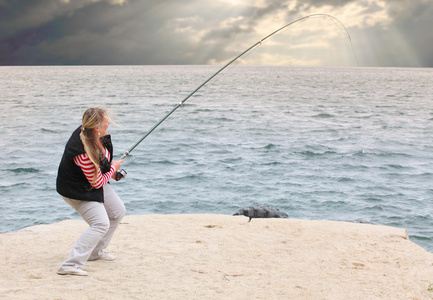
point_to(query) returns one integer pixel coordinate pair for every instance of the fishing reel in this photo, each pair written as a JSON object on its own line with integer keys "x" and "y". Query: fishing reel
{"x": 120, "y": 174}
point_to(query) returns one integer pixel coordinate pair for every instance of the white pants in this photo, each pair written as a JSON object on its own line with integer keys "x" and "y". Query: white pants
{"x": 103, "y": 219}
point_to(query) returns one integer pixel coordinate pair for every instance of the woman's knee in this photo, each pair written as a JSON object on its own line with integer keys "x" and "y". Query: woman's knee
{"x": 118, "y": 214}
{"x": 101, "y": 227}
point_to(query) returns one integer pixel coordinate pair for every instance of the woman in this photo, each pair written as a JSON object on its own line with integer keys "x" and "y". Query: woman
{"x": 84, "y": 171}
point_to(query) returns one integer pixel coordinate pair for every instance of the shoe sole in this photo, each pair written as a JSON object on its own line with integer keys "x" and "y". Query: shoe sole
{"x": 83, "y": 273}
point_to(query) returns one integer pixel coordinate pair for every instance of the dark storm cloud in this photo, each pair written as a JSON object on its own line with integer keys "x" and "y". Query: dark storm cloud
{"x": 188, "y": 32}
{"x": 85, "y": 32}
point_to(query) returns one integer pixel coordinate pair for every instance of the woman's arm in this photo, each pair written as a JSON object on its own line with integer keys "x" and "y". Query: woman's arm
{"x": 88, "y": 169}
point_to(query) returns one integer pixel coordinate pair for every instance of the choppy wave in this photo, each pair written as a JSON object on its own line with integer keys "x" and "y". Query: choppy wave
{"x": 323, "y": 115}
{"x": 48, "y": 130}
{"x": 23, "y": 170}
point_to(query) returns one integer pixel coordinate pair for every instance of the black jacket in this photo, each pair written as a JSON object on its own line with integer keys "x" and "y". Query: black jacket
{"x": 71, "y": 181}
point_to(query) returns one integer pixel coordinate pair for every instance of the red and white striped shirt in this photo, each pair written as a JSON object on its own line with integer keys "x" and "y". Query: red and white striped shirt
{"x": 84, "y": 162}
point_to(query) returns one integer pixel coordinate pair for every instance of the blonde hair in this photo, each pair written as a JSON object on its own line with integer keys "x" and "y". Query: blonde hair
{"x": 92, "y": 118}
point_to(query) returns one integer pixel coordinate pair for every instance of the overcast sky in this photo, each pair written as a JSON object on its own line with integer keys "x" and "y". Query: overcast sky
{"x": 128, "y": 32}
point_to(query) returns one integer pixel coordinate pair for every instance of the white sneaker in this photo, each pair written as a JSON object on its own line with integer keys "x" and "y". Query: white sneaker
{"x": 105, "y": 256}
{"x": 72, "y": 271}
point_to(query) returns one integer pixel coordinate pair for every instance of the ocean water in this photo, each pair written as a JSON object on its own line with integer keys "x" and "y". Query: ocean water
{"x": 319, "y": 143}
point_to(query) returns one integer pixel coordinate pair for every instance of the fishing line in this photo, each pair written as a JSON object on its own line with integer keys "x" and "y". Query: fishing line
{"x": 343, "y": 29}
{"x": 246, "y": 52}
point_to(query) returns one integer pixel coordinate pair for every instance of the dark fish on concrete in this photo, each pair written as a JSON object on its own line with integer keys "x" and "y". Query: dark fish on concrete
{"x": 264, "y": 211}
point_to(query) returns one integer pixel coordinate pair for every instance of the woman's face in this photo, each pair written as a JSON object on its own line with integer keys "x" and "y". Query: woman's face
{"x": 102, "y": 129}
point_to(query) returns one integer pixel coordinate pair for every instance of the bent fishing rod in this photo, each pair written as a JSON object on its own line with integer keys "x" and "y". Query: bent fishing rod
{"x": 335, "y": 20}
